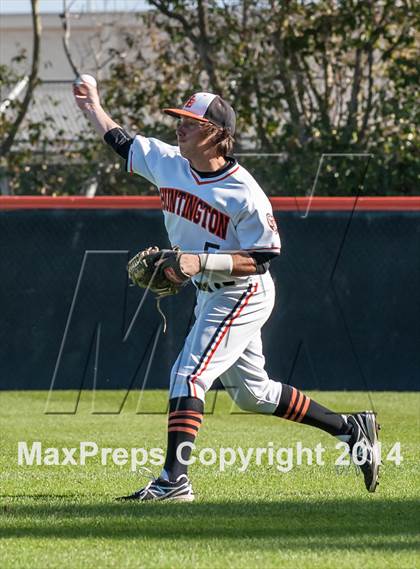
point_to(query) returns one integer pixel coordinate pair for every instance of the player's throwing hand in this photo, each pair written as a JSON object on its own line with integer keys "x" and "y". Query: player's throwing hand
{"x": 85, "y": 92}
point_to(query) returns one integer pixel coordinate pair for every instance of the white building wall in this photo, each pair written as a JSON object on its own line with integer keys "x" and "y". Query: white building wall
{"x": 91, "y": 36}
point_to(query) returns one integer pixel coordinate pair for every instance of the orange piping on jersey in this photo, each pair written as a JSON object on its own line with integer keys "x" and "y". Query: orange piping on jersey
{"x": 213, "y": 179}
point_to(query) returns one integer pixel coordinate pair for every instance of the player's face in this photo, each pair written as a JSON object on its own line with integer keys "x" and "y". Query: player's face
{"x": 191, "y": 137}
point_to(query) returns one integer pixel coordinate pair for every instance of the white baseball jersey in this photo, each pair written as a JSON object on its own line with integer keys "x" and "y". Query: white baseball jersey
{"x": 229, "y": 212}
{"x": 223, "y": 212}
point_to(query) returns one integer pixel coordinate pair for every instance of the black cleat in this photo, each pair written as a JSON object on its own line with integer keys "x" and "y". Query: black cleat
{"x": 364, "y": 446}
{"x": 160, "y": 489}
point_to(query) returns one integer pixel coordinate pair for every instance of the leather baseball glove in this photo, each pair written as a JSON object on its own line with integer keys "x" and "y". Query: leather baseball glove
{"x": 151, "y": 268}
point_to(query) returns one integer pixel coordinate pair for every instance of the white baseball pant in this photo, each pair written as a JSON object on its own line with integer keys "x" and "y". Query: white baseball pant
{"x": 225, "y": 342}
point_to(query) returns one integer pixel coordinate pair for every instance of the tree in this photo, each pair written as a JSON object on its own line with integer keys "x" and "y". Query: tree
{"x": 306, "y": 77}
{"x": 22, "y": 109}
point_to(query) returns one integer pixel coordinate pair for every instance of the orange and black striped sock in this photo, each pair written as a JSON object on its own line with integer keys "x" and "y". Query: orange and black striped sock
{"x": 295, "y": 406}
{"x": 185, "y": 418}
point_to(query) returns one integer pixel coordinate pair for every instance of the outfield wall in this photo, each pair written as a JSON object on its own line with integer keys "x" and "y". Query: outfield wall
{"x": 347, "y": 314}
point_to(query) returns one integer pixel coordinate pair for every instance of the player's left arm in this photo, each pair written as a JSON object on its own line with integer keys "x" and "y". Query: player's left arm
{"x": 245, "y": 264}
{"x": 241, "y": 264}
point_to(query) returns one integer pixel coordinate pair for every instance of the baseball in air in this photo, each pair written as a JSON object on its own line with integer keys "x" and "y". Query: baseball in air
{"x": 85, "y": 78}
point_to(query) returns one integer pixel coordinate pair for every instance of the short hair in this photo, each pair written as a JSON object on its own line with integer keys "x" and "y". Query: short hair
{"x": 224, "y": 141}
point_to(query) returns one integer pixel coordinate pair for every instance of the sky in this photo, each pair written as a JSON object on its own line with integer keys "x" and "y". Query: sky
{"x": 56, "y": 6}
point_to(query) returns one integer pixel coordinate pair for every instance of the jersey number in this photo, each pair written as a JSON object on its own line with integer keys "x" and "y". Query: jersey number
{"x": 208, "y": 246}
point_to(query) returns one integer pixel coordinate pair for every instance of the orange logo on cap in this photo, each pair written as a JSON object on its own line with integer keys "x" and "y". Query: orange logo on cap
{"x": 190, "y": 102}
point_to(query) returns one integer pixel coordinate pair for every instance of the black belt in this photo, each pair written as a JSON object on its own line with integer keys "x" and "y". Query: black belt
{"x": 205, "y": 287}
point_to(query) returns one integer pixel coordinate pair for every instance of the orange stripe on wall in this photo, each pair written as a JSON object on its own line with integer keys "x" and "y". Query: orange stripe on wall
{"x": 386, "y": 203}
{"x": 298, "y": 204}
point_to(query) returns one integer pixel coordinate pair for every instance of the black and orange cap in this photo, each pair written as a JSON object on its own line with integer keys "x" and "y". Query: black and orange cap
{"x": 206, "y": 107}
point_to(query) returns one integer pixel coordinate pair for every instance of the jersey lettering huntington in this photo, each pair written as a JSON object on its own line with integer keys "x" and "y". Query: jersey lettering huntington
{"x": 195, "y": 209}
{"x": 229, "y": 209}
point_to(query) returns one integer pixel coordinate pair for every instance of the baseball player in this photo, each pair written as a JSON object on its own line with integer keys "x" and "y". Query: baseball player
{"x": 219, "y": 216}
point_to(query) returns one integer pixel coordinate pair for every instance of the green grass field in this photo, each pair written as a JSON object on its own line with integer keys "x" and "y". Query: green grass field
{"x": 312, "y": 516}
